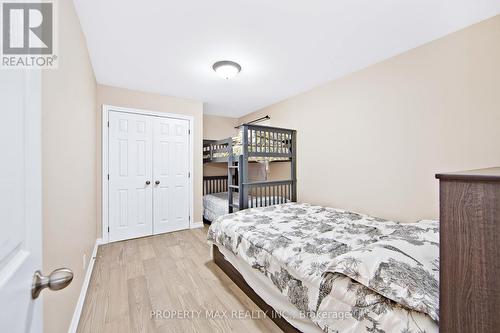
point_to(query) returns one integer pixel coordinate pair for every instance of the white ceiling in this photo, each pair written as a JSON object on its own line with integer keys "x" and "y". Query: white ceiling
{"x": 284, "y": 46}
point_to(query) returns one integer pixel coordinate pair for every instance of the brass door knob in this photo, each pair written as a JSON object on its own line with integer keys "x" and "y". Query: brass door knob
{"x": 57, "y": 280}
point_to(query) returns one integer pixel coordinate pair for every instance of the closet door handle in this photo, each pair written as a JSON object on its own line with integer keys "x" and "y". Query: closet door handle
{"x": 148, "y": 182}
{"x": 157, "y": 182}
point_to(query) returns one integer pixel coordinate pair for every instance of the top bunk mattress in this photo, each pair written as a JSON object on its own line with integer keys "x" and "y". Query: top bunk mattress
{"x": 345, "y": 271}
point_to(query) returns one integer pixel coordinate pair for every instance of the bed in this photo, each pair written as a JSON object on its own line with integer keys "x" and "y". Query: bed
{"x": 330, "y": 270}
{"x": 265, "y": 193}
{"x": 254, "y": 143}
{"x": 263, "y": 143}
{"x": 216, "y": 204}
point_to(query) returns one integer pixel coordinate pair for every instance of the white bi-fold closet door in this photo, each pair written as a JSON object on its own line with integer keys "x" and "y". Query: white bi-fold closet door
{"x": 148, "y": 175}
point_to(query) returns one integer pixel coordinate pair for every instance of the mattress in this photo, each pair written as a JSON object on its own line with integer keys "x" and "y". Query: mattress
{"x": 343, "y": 271}
{"x": 270, "y": 295}
{"x": 216, "y": 204}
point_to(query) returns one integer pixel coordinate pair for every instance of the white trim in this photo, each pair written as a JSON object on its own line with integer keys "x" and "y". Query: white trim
{"x": 83, "y": 292}
{"x": 196, "y": 225}
{"x": 108, "y": 108}
{"x": 104, "y": 175}
{"x": 104, "y": 160}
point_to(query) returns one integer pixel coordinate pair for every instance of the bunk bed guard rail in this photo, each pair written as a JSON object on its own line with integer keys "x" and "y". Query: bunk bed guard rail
{"x": 216, "y": 150}
{"x": 215, "y": 184}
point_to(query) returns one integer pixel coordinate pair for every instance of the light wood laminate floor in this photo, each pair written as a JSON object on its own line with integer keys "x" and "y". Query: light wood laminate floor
{"x": 169, "y": 272}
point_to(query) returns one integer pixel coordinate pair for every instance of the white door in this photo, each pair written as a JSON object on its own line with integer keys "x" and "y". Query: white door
{"x": 20, "y": 200}
{"x": 171, "y": 174}
{"x": 130, "y": 176}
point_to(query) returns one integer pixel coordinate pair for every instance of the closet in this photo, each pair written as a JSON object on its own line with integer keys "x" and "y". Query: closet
{"x": 149, "y": 177}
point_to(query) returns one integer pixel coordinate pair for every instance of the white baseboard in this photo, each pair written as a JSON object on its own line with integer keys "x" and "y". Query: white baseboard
{"x": 196, "y": 225}
{"x": 83, "y": 292}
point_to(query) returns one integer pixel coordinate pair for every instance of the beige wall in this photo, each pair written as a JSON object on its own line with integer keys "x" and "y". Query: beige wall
{"x": 159, "y": 103}
{"x": 217, "y": 128}
{"x": 69, "y": 167}
{"x": 372, "y": 141}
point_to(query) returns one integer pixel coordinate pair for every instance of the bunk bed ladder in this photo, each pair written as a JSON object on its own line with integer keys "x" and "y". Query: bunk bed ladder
{"x": 243, "y": 171}
{"x": 232, "y": 174}
{"x": 235, "y": 172}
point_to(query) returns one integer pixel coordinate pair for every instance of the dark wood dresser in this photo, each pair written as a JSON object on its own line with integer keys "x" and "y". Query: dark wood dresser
{"x": 470, "y": 251}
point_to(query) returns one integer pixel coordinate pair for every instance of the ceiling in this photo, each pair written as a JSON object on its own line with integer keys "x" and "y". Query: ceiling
{"x": 284, "y": 46}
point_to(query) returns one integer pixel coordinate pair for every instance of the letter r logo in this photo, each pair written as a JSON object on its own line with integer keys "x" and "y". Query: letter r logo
{"x": 27, "y": 28}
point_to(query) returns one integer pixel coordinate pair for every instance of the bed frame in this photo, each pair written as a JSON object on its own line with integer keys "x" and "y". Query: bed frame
{"x": 215, "y": 184}
{"x": 276, "y": 191}
{"x": 238, "y": 279}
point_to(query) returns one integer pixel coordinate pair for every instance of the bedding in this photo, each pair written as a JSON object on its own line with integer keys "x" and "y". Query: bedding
{"x": 346, "y": 272}
{"x": 270, "y": 294}
{"x": 215, "y": 204}
{"x": 269, "y": 145}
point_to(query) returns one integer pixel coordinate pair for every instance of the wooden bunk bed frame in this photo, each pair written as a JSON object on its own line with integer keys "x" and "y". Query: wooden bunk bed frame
{"x": 257, "y": 143}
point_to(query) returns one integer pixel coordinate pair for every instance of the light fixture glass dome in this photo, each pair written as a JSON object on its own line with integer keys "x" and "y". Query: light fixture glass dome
{"x": 226, "y": 69}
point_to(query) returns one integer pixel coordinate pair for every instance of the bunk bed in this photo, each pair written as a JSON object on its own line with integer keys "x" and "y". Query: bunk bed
{"x": 254, "y": 143}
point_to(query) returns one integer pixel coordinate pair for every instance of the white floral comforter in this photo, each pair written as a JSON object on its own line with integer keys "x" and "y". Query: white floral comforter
{"x": 347, "y": 272}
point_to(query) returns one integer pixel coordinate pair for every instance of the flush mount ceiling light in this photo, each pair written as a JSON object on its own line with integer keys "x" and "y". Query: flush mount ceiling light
{"x": 226, "y": 69}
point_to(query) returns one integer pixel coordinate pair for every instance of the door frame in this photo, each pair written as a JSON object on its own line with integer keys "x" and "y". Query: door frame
{"x": 106, "y": 108}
